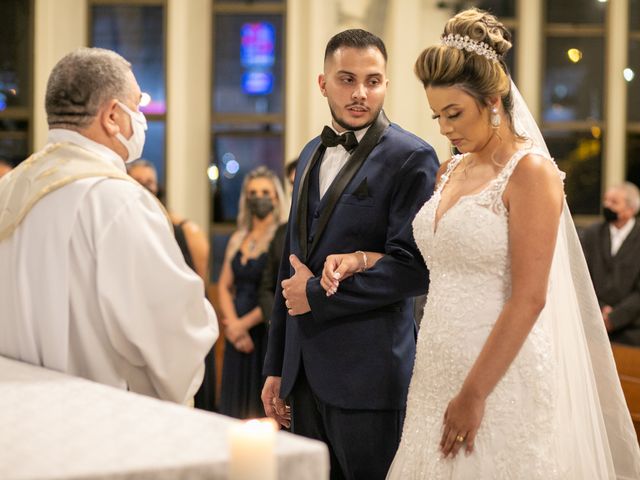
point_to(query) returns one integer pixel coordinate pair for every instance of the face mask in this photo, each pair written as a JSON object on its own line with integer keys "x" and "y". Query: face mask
{"x": 135, "y": 144}
{"x": 260, "y": 206}
{"x": 609, "y": 215}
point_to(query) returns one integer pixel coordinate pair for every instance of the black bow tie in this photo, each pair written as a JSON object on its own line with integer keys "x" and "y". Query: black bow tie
{"x": 331, "y": 139}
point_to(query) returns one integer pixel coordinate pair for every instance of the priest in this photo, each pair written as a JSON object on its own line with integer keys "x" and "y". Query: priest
{"x": 92, "y": 282}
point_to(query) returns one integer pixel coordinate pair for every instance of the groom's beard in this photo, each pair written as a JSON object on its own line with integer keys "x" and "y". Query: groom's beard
{"x": 343, "y": 123}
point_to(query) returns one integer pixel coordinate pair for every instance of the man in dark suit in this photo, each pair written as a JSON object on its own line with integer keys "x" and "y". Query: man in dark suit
{"x": 612, "y": 250}
{"x": 344, "y": 361}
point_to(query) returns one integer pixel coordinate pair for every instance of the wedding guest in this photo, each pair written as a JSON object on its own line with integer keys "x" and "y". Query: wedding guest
{"x": 612, "y": 250}
{"x": 94, "y": 283}
{"x": 261, "y": 210}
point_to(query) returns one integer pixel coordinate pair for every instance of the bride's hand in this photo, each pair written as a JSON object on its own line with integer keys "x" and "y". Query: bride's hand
{"x": 461, "y": 422}
{"x": 337, "y": 268}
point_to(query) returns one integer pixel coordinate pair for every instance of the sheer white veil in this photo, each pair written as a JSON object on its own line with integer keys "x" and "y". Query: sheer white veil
{"x": 591, "y": 411}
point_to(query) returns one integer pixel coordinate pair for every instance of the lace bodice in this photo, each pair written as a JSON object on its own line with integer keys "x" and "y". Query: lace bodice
{"x": 467, "y": 253}
{"x": 474, "y": 229}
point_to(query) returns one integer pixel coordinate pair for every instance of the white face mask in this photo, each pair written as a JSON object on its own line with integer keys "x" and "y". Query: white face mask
{"x": 135, "y": 144}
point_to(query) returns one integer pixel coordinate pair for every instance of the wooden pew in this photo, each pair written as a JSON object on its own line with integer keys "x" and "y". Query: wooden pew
{"x": 628, "y": 364}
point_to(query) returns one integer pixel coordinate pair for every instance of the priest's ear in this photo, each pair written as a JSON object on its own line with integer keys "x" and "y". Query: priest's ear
{"x": 109, "y": 117}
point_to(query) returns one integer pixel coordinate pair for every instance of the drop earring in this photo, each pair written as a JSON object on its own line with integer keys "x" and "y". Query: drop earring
{"x": 495, "y": 117}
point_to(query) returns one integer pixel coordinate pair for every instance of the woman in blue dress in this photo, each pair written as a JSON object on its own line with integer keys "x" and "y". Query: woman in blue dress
{"x": 260, "y": 212}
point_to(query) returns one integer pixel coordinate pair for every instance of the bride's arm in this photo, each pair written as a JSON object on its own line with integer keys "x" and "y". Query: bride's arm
{"x": 345, "y": 265}
{"x": 534, "y": 199}
{"x": 337, "y": 267}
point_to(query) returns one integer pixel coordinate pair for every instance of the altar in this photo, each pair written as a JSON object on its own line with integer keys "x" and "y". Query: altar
{"x": 55, "y": 426}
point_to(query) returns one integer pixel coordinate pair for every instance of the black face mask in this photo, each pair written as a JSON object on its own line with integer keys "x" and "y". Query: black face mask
{"x": 260, "y": 206}
{"x": 609, "y": 215}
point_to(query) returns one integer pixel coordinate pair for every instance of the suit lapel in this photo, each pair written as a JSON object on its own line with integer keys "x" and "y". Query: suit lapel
{"x": 303, "y": 200}
{"x": 606, "y": 244}
{"x": 333, "y": 194}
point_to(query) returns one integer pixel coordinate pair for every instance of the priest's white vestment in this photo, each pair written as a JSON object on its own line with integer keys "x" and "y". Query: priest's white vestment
{"x": 92, "y": 281}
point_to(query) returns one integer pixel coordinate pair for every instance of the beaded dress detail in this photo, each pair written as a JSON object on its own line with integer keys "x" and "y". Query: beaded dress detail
{"x": 467, "y": 253}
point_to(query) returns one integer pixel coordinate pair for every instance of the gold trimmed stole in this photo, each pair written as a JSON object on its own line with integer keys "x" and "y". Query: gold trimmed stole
{"x": 44, "y": 172}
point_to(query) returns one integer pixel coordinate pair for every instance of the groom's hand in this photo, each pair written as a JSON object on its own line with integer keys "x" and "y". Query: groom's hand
{"x": 294, "y": 289}
{"x": 274, "y": 406}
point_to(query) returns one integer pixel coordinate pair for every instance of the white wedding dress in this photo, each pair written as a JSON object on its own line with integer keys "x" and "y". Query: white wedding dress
{"x": 523, "y": 434}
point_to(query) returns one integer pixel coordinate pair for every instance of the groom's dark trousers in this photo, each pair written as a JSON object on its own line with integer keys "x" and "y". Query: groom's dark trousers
{"x": 347, "y": 433}
{"x": 346, "y": 365}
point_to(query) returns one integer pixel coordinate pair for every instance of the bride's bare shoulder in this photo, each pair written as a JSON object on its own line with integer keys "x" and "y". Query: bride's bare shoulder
{"x": 536, "y": 168}
{"x": 534, "y": 179}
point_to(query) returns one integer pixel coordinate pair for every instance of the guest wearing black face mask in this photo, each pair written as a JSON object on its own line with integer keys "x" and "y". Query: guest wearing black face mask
{"x": 261, "y": 210}
{"x": 612, "y": 251}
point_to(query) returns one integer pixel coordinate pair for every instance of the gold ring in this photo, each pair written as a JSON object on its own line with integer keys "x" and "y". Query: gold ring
{"x": 460, "y": 438}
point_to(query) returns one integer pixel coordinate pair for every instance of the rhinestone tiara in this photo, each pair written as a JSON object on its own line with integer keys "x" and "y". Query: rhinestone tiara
{"x": 466, "y": 43}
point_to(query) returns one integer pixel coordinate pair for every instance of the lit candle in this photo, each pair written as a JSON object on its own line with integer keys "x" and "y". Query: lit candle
{"x": 252, "y": 446}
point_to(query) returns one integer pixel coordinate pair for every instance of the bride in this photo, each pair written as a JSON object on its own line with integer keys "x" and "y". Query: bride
{"x": 514, "y": 376}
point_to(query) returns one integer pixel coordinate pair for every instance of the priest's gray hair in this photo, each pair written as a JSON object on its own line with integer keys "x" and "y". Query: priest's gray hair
{"x": 81, "y": 82}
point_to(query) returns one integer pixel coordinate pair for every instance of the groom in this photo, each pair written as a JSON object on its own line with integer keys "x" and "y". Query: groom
{"x": 344, "y": 361}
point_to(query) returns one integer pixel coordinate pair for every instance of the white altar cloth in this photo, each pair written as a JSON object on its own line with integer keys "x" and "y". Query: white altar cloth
{"x": 54, "y": 426}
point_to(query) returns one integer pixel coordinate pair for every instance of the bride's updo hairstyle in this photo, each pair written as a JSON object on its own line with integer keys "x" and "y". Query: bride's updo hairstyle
{"x": 476, "y": 74}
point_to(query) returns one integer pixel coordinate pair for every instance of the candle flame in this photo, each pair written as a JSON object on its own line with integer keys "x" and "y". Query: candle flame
{"x": 261, "y": 424}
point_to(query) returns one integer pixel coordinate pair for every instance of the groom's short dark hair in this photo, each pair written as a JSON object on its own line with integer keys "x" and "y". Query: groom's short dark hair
{"x": 354, "y": 38}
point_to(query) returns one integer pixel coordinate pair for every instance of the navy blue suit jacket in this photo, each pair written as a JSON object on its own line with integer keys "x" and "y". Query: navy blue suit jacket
{"x": 358, "y": 346}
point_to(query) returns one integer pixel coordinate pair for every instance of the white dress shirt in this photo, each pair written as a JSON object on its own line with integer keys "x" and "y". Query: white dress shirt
{"x": 619, "y": 235}
{"x": 94, "y": 284}
{"x": 334, "y": 159}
